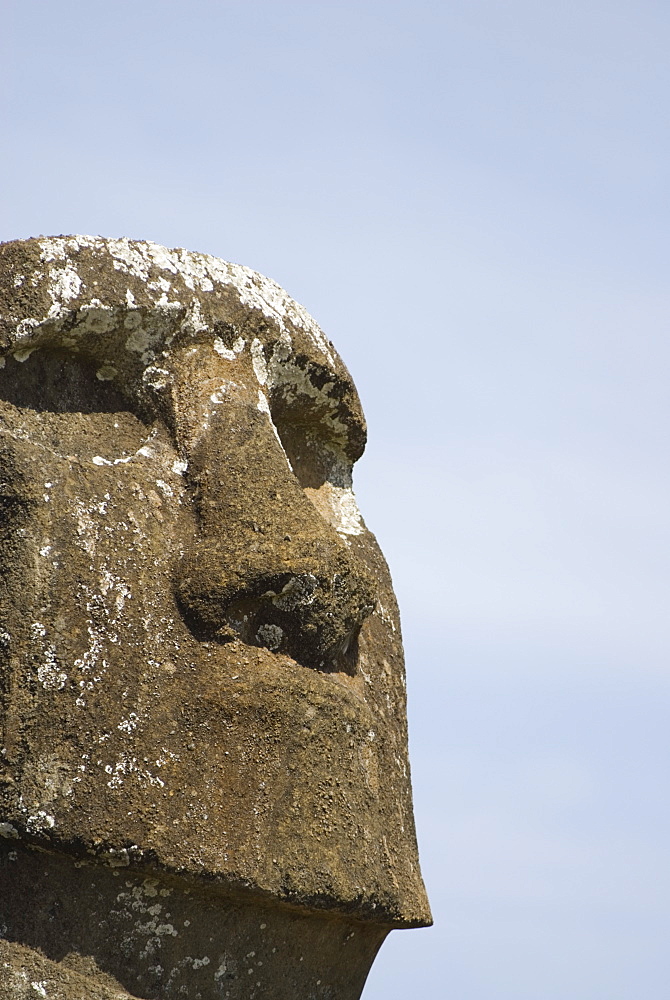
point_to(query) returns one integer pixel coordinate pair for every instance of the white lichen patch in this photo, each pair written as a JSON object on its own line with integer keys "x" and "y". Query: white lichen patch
{"x": 226, "y": 352}
{"x": 346, "y": 517}
{"x": 221, "y": 349}
{"x": 161, "y": 285}
{"x": 93, "y": 317}
{"x": 106, "y": 372}
{"x": 59, "y": 247}
{"x": 65, "y": 285}
{"x": 386, "y": 617}
{"x": 165, "y": 488}
{"x": 264, "y": 406}
{"x": 338, "y": 506}
{"x": 40, "y": 822}
{"x": 141, "y": 339}
{"x": 109, "y": 583}
{"x": 145, "y": 451}
{"x": 258, "y": 361}
{"x": 194, "y": 322}
{"x": 49, "y": 672}
{"x": 128, "y": 766}
{"x": 25, "y": 329}
{"x": 156, "y": 378}
{"x": 218, "y": 396}
{"x": 137, "y": 905}
{"x": 130, "y": 724}
{"x": 24, "y": 353}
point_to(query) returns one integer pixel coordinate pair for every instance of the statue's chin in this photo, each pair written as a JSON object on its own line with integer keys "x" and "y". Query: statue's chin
{"x": 130, "y": 936}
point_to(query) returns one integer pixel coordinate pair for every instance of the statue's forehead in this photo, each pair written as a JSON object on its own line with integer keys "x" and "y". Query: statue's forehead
{"x": 131, "y": 307}
{"x": 48, "y": 278}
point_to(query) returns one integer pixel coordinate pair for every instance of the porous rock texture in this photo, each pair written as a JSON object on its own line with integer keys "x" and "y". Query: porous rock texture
{"x": 204, "y": 786}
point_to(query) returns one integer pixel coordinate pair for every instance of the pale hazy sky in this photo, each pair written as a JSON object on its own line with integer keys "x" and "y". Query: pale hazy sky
{"x": 471, "y": 197}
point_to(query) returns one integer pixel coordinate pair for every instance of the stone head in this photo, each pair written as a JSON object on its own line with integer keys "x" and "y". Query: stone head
{"x": 200, "y": 667}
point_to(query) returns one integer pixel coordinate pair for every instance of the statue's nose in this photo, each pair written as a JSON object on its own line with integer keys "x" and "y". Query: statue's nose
{"x": 265, "y": 567}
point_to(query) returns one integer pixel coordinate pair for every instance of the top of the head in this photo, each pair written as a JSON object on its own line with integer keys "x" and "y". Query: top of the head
{"x": 127, "y": 305}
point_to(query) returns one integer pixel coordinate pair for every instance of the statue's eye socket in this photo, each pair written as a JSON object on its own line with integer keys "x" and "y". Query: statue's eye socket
{"x": 64, "y": 408}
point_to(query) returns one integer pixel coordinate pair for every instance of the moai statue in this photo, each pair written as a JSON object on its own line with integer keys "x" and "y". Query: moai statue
{"x": 204, "y": 787}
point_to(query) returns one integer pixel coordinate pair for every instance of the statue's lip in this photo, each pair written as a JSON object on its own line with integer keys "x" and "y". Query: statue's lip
{"x": 239, "y": 668}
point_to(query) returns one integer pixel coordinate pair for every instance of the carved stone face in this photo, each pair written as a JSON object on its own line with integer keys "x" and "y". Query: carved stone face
{"x": 201, "y": 661}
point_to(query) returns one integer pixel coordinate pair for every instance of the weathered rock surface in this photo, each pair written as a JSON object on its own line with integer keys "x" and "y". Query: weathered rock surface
{"x": 201, "y": 675}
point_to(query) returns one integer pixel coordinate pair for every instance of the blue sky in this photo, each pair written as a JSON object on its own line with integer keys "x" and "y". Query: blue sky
{"x": 472, "y": 200}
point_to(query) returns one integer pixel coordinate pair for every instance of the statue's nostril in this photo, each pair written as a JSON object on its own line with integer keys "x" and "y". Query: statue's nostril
{"x": 314, "y": 619}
